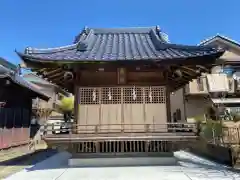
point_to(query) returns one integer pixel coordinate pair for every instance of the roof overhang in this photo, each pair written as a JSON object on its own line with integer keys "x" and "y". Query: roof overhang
{"x": 189, "y": 71}
{"x": 18, "y": 80}
{"x": 54, "y": 72}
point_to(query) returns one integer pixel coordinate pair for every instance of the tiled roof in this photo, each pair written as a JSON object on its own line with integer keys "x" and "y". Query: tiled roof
{"x": 33, "y": 78}
{"x": 118, "y": 44}
{"x": 7, "y": 73}
{"x": 7, "y": 64}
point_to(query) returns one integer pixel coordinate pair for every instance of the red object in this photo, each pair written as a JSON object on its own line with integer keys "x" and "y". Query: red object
{"x": 14, "y": 137}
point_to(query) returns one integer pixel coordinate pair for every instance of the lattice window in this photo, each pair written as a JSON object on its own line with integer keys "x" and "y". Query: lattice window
{"x": 111, "y": 95}
{"x": 155, "y": 94}
{"x": 89, "y": 96}
{"x": 132, "y": 95}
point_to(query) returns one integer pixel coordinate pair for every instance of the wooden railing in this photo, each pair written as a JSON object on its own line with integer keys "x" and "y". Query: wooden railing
{"x": 120, "y": 128}
{"x": 121, "y": 138}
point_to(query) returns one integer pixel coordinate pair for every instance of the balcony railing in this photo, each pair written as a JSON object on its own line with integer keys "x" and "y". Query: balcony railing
{"x": 211, "y": 84}
{"x": 197, "y": 86}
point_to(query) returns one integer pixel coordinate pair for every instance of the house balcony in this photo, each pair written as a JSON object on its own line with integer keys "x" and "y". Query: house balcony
{"x": 197, "y": 87}
{"x": 212, "y": 83}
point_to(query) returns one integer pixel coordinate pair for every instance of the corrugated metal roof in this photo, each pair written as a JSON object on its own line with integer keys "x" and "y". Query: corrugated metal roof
{"x": 119, "y": 44}
{"x": 7, "y": 73}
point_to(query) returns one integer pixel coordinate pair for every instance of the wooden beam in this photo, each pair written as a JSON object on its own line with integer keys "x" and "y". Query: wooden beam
{"x": 203, "y": 68}
{"x": 49, "y": 73}
{"x": 42, "y": 70}
{"x": 60, "y": 74}
{"x": 188, "y": 70}
{"x": 59, "y": 79}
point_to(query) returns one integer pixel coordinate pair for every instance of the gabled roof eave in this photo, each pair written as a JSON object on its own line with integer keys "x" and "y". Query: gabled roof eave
{"x": 219, "y": 36}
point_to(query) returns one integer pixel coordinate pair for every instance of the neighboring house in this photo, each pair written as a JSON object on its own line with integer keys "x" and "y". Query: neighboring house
{"x": 16, "y": 96}
{"x": 43, "y": 108}
{"x": 218, "y": 88}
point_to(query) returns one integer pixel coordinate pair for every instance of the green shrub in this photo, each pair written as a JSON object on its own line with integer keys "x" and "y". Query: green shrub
{"x": 212, "y": 129}
{"x": 236, "y": 117}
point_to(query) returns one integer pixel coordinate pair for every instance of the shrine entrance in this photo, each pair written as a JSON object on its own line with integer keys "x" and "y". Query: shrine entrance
{"x": 128, "y": 109}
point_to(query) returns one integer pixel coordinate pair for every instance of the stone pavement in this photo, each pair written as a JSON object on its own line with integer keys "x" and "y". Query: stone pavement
{"x": 189, "y": 167}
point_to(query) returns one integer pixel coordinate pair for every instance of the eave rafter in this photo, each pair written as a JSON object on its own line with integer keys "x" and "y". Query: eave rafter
{"x": 55, "y": 76}
{"x": 51, "y": 72}
{"x": 188, "y": 73}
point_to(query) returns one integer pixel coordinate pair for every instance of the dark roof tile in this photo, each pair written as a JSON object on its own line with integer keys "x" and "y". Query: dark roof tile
{"x": 8, "y": 73}
{"x": 119, "y": 44}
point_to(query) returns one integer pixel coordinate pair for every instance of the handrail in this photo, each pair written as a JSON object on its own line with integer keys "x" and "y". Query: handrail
{"x": 121, "y": 128}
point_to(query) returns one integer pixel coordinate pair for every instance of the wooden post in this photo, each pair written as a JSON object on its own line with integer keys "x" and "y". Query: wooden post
{"x": 238, "y": 135}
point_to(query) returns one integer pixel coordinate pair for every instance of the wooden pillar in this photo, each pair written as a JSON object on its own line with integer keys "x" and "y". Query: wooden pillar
{"x": 76, "y": 102}
{"x": 168, "y": 105}
{"x": 168, "y": 91}
{"x": 121, "y": 75}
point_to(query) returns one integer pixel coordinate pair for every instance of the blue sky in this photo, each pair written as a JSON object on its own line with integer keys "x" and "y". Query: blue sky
{"x": 51, "y": 23}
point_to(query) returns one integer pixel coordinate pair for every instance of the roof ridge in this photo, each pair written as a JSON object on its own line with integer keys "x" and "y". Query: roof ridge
{"x": 118, "y": 30}
{"x": 221, "y": 36}
{"x": 81, "y": 42}
{"x": 31, "y": 50}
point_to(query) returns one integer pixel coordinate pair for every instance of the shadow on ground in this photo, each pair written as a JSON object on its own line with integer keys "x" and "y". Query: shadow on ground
{"x": 29, "y": 159}
{"x": 50, "y": 159}
{"x": 199, "y": 163}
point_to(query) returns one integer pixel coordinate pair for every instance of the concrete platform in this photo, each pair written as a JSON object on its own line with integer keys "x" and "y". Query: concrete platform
{"x": 189, "y": 167}
{"x": 121, "y": 161}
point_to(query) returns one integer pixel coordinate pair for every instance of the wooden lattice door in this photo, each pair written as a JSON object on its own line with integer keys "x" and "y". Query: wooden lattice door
{"x": 116, "y": 109}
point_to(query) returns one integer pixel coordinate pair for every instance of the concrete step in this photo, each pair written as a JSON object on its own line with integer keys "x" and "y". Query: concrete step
{"x": 121, "y": 159}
